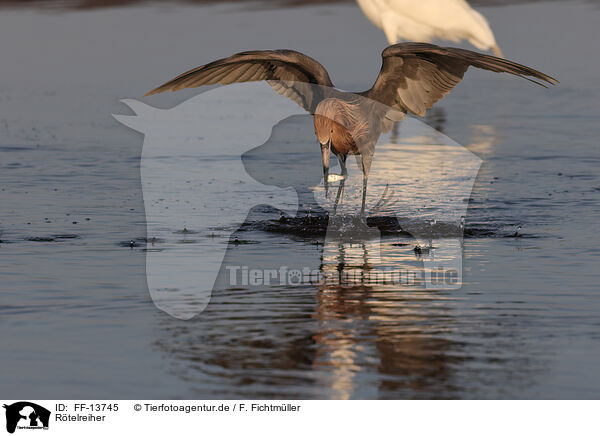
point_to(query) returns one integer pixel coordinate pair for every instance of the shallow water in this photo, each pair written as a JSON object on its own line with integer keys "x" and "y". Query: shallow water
{"x": 75, "y": 309}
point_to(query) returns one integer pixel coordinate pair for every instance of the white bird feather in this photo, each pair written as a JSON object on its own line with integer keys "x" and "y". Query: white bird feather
{"x": 429, "y": 20}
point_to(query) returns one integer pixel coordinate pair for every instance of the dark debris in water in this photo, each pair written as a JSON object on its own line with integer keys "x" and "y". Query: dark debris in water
{"x": 41, "y": 239}
{"x": 52, "y": 238}
{"x": 140, "y": 242}
{"x": 237, "y": 241}
{"x": 132, "y": 243}
{"x": 67, "y": 236}
{"x": 422, "y": 250}
{"x": 185, "y": 231}
{"x": 316, "y": 225}
{"x": 295, "y": 226}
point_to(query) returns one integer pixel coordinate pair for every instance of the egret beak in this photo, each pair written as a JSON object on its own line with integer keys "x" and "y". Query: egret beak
{"x": 325, "y": 152}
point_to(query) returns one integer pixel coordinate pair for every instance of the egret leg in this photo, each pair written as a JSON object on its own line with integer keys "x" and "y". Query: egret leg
{"x": 395, "y": 133}
{"x": 338, "y": 196}
{"x": 340, "y": 192}
{"x": 364, "y": 196}
{"x": 342, "y": 160}
{"x": 367, "y": 158}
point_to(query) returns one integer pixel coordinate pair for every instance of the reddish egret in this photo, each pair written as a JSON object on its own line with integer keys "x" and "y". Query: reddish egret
{"x": 427, "y": 20}
{"x": 413, "y": 77}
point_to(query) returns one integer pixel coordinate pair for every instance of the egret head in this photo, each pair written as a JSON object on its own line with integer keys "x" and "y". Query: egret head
{"x": 339, "y": 124}
{"x": 324, "y": 127}
{"x": 332, "y": 115}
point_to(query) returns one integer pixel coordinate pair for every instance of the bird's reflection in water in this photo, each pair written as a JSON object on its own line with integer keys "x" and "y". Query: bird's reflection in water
{"x": 341, "y": 338}
{"x": 483, "y": 139}
{"x": 388, "y": 331}
{"x": 363, "y": 322}
{"x": 349, "y": 336}
{"x": 436, "y": 118}
{"x": 331, "y": 342}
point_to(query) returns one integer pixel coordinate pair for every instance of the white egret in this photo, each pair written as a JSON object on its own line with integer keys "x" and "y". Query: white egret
{"x": 429, "y": 20}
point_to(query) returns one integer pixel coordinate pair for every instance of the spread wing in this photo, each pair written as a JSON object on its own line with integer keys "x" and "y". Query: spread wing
{"x": 414, "y": 76}
{"x": 289, "y": 72}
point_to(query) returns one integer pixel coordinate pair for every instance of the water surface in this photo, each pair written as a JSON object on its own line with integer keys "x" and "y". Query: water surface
{"x": 75, "y": 310}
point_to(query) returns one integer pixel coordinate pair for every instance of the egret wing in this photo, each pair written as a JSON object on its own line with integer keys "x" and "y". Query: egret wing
{"x": 289, "y": 72}
{"x": 414, "y": 76}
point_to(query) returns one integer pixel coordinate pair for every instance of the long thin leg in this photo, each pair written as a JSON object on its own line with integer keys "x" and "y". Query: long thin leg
{"x": 340, "y": 192}
{"x": 367, "y": 158}
{"x": 394, "y": 136}
{"x": 338, "y": 196}
{"x": 364, "y": 195}
{"x": 342, "y": 161}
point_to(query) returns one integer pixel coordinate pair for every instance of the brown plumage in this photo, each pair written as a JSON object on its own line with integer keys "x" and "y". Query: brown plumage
{"x": 413, "y": 77}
